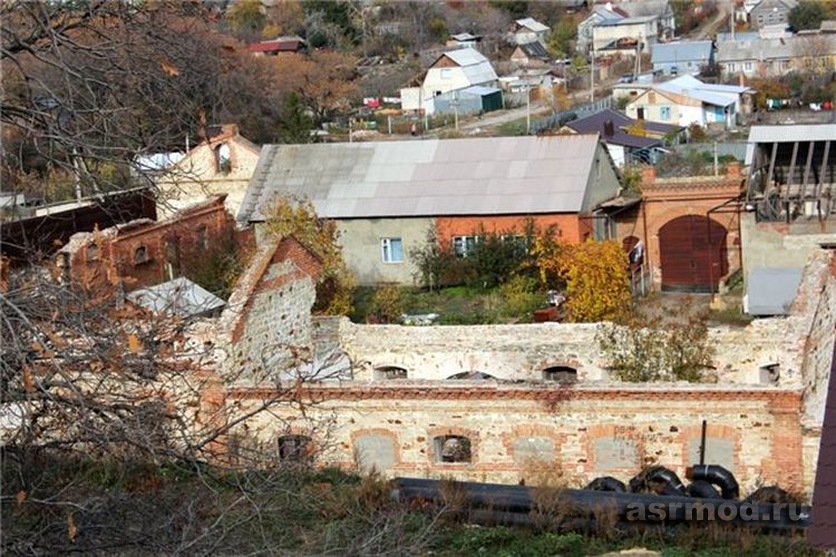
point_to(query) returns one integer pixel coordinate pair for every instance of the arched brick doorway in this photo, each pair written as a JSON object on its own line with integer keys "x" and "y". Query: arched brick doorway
{"x": 692, "y": 254}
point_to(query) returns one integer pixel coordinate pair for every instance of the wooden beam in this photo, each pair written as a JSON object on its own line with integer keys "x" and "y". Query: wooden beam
{"x": 769, "y": 178}
{"x": 793, "y": 160}
{"x": 811, "y": 147}
{"x": 823, "y": 172}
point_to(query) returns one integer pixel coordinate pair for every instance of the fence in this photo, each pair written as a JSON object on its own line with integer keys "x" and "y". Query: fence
{"x": 559, "y": 118}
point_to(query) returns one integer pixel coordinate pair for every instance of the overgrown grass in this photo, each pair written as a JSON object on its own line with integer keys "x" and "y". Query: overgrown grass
{"x": 56, "y": 506}
{"x": 459, "y": 305}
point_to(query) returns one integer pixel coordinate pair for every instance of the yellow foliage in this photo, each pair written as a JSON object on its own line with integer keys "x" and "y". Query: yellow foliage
{"x": 596, "y": 277}
{"x": 291, "y": 217}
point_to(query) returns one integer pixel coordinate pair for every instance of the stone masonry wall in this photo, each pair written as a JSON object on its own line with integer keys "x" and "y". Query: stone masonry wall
{"x": 522, "y": 352}
{"x": 523, "y": 433}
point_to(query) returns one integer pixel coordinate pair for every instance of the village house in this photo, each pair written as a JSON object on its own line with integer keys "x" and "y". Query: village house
{"x": 770, "y": 12}
{"x": 771, "y": 58}
{"x": 220, "y": 164}
{"x": 627, "y": 140}
{"x": 455, "y": 78}
{"x": 529, "y": 30}
{"x": 686, "y": 100}
{"x": 386, "y": 196}
{"x": 626, "y": 26}
{"x": 681, "y": 58}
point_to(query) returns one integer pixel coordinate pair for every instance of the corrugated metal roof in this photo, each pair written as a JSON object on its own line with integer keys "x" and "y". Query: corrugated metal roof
{"x": 787, "y": 134}
{"x": 792, "y": 133}
{"x": 475, "y": 66}
{"x": 179, "y": 297}
{"x": 494, "y": 175}
{"x": 466, "y": 57}
{"x": 771, "y": 290}
{"x": 689, "y": 51}
{"x": 689, "y": 86}
{"x": 532, "y": 24}
{"x": 628, "y": 21}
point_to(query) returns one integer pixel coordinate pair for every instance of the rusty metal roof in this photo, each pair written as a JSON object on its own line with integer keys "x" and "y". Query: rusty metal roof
{"x": 474, "y": 176}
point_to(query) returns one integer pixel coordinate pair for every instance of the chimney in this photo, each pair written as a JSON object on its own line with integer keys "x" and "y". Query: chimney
{"x": 609, "y": 129}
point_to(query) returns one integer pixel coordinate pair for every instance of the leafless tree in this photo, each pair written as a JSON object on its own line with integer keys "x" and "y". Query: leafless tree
{"x": 89, "y": 85}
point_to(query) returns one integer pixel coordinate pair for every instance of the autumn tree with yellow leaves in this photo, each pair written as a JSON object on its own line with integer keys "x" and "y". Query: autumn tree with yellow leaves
{"x": 290, "y": 216}
{"x": 595, "y": 275}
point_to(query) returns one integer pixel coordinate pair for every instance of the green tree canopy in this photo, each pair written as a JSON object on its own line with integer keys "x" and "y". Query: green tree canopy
{"x": 808, "y": 14}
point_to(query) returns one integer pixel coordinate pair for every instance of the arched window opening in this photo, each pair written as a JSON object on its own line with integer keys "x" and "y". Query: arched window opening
{"x": 452, "y": 448}
{"x": 390, "y": 373}
{"x": 471, "y": 376}
{"x": 295, "y": 448}
{"x": 560, "y": 374}
{"x": 140, "y": 255}
{"x": 223, "y": 158}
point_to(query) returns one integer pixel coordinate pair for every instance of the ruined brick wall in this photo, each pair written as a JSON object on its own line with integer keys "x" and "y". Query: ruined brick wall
{"x": 197, "y": 176}
{"x": 138, "y": 254}
{"x": 266, "y": 328}
{"x": 525, "y": 433}
{"x": 522, "y": 352}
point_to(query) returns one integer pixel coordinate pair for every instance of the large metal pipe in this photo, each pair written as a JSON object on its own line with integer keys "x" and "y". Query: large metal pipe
{"x": 716, "y": 475}
{"x": 579, "y": 503}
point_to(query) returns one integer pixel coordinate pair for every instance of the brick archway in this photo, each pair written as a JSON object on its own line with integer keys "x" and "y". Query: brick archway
{"x": 693, "y": 254}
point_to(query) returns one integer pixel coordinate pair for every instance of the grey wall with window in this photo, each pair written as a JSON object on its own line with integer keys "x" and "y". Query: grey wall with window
{"x": 377, "y": 250}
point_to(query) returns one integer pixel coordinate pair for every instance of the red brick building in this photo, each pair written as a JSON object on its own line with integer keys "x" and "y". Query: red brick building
{"x": 145, "y": 252}
{"x": 689, "y": 227}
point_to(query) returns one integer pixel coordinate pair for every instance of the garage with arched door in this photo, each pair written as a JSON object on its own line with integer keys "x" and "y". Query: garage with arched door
{"x": 692, "y": 254}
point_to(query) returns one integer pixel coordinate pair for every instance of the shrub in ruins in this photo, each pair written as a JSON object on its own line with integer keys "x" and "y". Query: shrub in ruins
{"x": 640, "y": 351}
{"x": 289, "y": 216}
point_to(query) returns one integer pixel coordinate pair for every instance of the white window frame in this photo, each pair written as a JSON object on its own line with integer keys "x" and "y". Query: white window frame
{"x": 463, "y": 245}
{"x": 387, "y": 254}
{"x": 665, "y": 112}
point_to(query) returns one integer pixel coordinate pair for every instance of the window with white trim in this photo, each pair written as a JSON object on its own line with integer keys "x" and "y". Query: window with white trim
{"x": 665, "y": 112}
{"x": 391, "y": 250}
{"x": 464, "y": 245}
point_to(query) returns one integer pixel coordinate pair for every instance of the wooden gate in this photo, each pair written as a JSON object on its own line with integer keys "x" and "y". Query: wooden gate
{"x": 693, "y": 254}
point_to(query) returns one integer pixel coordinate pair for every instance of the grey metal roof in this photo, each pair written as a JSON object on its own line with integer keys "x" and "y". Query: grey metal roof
{"x": 432, "y": 177}
{"x": 475, "y": 66}
{"x": 179, "y": 297}
{"x": 532, "y": 24}
{"x": 771, "y": 290}
{"x": 711, "y": 93}
{"x": 787, "y": 133}
{"x": 686, "y": 51}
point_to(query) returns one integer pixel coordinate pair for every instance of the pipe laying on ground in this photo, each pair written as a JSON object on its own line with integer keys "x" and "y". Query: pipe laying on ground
{"x": 507, "y": 504}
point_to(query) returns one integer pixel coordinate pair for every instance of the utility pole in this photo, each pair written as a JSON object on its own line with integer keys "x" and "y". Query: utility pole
{"x": 592, "y": 74}
{"x": 528, "y": 109}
